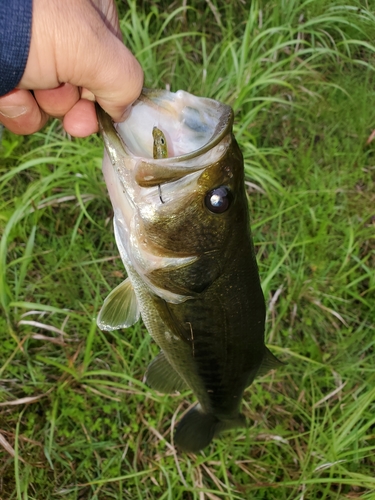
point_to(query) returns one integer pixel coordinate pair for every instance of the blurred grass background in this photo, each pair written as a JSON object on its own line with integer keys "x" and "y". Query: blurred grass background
{"x": 76, "y": 421}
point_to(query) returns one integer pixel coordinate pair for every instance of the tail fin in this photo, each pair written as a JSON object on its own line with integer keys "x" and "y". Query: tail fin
{"x": 197, "y": 429}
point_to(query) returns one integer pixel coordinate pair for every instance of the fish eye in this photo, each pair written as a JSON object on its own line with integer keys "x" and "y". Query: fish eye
{"x": 218, "y": 200}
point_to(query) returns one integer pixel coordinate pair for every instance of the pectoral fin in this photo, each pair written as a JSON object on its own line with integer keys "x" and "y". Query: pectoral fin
{"x": 162, "y": 377}
{"x": 269, "y": 362}
{"x": 120, "y": 309}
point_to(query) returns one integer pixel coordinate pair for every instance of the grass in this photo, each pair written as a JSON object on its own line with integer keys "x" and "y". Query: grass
{"x": 76, "y": 421}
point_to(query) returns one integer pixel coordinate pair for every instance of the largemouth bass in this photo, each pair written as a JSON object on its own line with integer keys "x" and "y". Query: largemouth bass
{"x": 175, "y": 177}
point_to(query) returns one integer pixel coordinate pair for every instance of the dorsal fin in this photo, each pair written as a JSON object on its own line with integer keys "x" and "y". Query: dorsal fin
{"x": 269, "y": 362}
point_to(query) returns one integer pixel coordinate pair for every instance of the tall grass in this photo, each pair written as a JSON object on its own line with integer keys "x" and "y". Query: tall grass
{"x": 76, "y": 420}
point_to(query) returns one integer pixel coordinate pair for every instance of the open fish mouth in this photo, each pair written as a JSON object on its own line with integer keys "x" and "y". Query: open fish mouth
{"x": 191, "y": 125}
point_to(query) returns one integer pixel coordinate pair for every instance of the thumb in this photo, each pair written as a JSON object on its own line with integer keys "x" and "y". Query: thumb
{"x": 114, "y": 76}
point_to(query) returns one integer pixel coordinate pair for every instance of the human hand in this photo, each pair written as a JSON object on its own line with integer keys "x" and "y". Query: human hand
{"x": 76, "y": 56}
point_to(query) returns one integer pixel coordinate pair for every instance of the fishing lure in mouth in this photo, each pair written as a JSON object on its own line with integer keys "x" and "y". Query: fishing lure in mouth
{"x": 160, "y": 148}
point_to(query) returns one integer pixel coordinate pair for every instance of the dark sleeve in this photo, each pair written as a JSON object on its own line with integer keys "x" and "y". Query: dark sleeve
{"x": 15, "y": 32}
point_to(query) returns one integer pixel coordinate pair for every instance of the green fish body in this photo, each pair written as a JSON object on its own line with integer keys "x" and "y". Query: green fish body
{"x": 182, "y": 229}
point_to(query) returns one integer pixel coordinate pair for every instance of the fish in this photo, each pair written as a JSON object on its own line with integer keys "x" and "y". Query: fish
{"x": 175, "y": 177}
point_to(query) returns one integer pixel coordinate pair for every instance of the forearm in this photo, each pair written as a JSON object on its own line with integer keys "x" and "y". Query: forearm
{"x": 15, "y": 32}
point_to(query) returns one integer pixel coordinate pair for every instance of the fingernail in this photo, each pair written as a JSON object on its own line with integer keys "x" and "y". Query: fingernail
{"x": 13, "y": 111}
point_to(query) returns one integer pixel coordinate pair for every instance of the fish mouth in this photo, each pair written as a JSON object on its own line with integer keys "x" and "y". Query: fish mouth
{"x": 192, "y": 125}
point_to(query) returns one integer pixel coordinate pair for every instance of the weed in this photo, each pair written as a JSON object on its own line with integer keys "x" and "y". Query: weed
{"x": 76, "y": 420}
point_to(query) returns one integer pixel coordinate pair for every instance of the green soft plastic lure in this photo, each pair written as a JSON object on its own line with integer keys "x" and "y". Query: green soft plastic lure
{"x": 160, "y": 148}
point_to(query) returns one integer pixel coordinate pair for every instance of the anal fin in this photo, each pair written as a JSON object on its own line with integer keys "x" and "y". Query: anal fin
{"x": 162, "y": 377}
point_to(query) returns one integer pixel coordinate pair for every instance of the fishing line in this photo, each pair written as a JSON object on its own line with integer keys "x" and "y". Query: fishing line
{"x": 159, "y": 189}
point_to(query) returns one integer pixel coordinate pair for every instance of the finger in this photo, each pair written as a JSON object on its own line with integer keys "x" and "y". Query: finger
{"x": 124, "y": 83}
{"x": 118, "y": 82}
{"x": 58, "y": 101}
{"x": 81, "y": 121}
{"x": 20, "y": 113}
